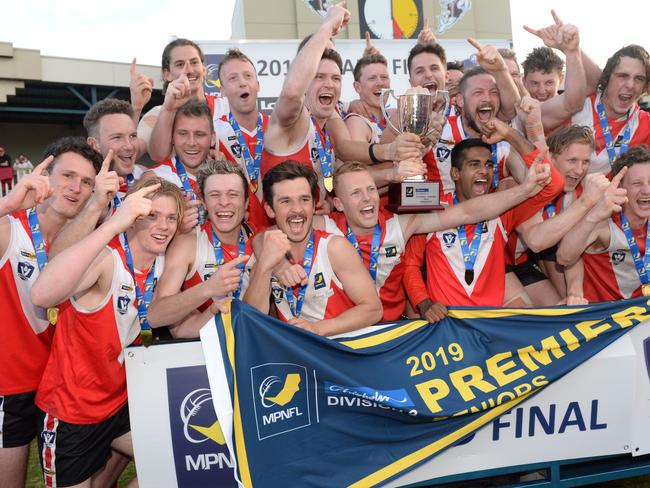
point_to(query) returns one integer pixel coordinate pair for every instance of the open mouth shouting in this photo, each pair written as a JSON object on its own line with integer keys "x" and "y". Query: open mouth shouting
{"x": 432, "y": 86}
{"x": 644, "y": 203}
{"x": 367, "y": 212}
{"x": 296, "y": 223}
{"x": 571, "y": 181}
{"x": 484, "y": 113}
{"x": 160, "y": 238}
{"x": 480, "y": 185}
{"x": 326, "y": 99}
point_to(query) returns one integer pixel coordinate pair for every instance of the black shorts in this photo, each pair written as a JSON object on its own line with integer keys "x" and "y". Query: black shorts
{"x": 548, "y": 254}
{"x": 528, "y": 272}
{"x": 18, "y": 419}
{"x": 72, "y": 453}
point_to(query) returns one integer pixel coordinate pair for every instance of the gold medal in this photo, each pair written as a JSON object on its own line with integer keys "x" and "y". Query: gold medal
{"x": 253, "y": 186}
{"x": 146, "y": 337}
{"x": 329, "y": 183}
{"x": 52, "y": 315}
{"x": 645, "y": 289}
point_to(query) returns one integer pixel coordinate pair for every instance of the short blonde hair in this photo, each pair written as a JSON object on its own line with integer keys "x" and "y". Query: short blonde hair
{"x": 167, "y": 189}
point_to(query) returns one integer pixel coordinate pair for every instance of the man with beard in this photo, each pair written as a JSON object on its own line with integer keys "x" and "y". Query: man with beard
{"x": 31, "y": 216}
{"x": 241, "y": 132}
{"x": 183, "y": 73}
{"x": 614, "y": 235}
{"x": 465, "y": 265}
{"x": 208, "y": 263}
{"x": 380, "y": 236}
{"x": 337, "y": 294}
{"x": 103, "y": 284}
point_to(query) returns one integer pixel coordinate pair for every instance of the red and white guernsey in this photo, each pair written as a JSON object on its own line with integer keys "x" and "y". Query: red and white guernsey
{"x": 611, "y": 274}
{"x": 25, "y": 334}
{"x": 325, "y": 297}
{"x": 205, "y": 263}
{"x": 446, "y": 265}
{"x": 438, "y": 159}
{"x": 230, "y": 147}
{"x": 375, "y": 130}
{"x": 639, "y": 131}
{"x": 390, "y": 268}
{"x": 305, "y": 153}
{"x": 167, "y": 171}
{"x": 85, "y": 381}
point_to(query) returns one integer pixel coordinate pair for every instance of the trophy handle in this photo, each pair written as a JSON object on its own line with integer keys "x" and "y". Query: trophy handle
{"x": 440, "y": 104}
{"x": 382, "y": 104}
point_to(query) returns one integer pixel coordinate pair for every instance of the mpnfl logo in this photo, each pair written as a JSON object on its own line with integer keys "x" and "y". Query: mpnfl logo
{"x": 49, "y": 438}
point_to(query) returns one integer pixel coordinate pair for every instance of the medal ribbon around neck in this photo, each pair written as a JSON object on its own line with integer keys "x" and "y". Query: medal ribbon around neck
{"x": 252, "y": 163}
{"x": 495, "y": 160}
{"x": 374, "y": 248}
{"x": 218, "y": 256}
{"x": 642, "y": 264}
{"x": 379, "y": 124}
{"x": 41, "y": 254}
{"x": 324, "y": 154}
{"x": 295, "y": 304}
{"x": 470, "y": 251}
{"x": 129, "y": 183}
{"x": 142, "y": 299}
{"x": 607, "y": 134}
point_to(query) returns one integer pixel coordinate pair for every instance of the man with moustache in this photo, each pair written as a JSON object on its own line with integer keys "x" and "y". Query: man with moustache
{"x": 241, "y": 132}
{"x": 209, "y": 262}
{"x": 338, "y": 295}
{"x": 31, "y": 216}
{"x": 103, "y": 285}
{"x": 613, "y": 238}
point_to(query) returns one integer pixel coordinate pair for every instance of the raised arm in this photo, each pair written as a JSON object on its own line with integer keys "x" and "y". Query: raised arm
{"x": 593, "y": 228}
{"x": 542, "y": 234}
{"x": 31, "y": 190}
{"x": 489, "y": 58}
{"x": 160, "y": 143}
{"x": 81, "y": 265}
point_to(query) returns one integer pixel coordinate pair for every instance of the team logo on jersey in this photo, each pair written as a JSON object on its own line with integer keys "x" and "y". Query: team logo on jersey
{"x": 280, "y": 402}
{"x": 618, "y": 257}
{"x": 277, "y": 291}
{"x": 207, "y": 276}
{"x": 391, "y": 251}
{"x": 409, "y": 191}
{"x": 236, "y": 149}
{"x": 25, "y": 270}
{"x": 123, "y": 304}
{"x": 448, "y": 239}
{"x": 319, "y": 281}
{"x": 442, "y": 153}
{"x": 200, "y": 452}
{"x": 27, "y": 254}
{"x": 314, "y": 154}
{"x": 49, "y": 437}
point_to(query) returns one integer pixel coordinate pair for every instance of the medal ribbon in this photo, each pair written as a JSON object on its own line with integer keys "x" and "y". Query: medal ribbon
{"x": 495, "y": 160}
{"x": 379, "y": 124}
{"x": 129, "y": 183}
{"x": 642, "y": 264}
{"x": 37, "y": 238}
{"x": 550, "y": 208}
{"x": 296, "y": 303}
{"x": 142, "y": 299}
{"x": 324, "y": 154}
{"x": 470, "y": 251}
{"x": 187, "y": 186}
{"x": 607, "y": 134}
{"x": 374, "y": 248}
{"x": 252, "y": 163}
{"x": 218, "y": 256}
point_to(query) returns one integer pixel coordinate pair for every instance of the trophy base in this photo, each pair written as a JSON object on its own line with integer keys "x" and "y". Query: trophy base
{"x": 414, "y": 197}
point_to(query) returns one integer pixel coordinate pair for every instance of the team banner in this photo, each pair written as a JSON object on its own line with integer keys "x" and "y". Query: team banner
{"x": 362, "y": 410}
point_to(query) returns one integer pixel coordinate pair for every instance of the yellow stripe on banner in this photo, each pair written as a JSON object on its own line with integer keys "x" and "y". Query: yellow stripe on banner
{"x": 428, "y": 451}
{"x": 242, "y": 459}
{"x": 387, "y": 336}
{"x": 496, "y": 313}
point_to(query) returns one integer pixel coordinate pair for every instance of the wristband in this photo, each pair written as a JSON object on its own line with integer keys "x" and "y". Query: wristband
{"x": 371, "y": 153}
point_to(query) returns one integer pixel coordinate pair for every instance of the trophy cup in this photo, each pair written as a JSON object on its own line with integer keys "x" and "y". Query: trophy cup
{"x": 414, "y": 115}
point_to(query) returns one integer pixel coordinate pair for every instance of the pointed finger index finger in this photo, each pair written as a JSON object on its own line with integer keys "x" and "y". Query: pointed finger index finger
{"x": 40, "y": 169}
{"x": 474, "y": 43}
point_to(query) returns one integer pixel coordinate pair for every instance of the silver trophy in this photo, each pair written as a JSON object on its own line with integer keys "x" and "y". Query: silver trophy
{"x": 415, "y": 115}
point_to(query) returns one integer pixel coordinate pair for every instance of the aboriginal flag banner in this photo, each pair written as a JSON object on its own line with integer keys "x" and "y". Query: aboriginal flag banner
{"x": 296, "y": 408}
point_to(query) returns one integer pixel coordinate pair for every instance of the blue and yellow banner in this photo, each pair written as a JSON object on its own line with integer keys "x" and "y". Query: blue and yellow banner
{"x": 297, "y": 408}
